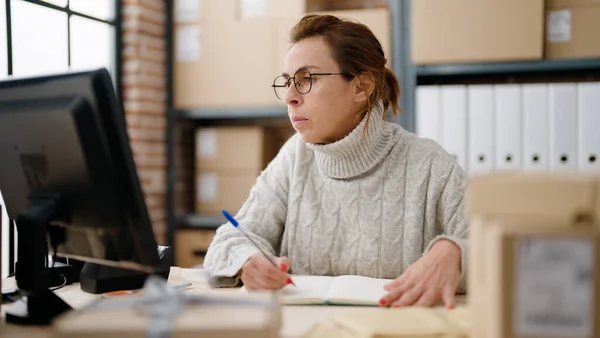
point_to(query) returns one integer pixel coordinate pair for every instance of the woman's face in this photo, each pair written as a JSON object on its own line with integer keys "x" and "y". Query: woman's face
{"x": 328, "y": 112}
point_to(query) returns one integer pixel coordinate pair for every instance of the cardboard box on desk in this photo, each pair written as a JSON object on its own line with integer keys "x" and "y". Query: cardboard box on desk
{"x": 572, "y": 28}
{"x": 505, "y": 208}
{"x": 476, "y": 31}
{"x": 201, "y": 320}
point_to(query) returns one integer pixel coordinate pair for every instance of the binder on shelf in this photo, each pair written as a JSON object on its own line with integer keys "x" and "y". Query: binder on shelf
{"x": 563, "y": 127}
{"x": 454, "y": 122}
{"x": 507, "y": 104}
{"x": 480, "y": 122}
{"x": 589, "y": 126}
{"x": 428, "y": 112}
{"x": 536, "y": 127}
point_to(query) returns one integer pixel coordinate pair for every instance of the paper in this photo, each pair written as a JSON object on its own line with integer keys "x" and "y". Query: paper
{"x": 187, "y": 11}
{"x": 206, "y": 144}
{"x": 189, "y": 46}
{"x": 208, "y": 188}
{"x": 347, "y": 290}
{"x": 554, "y": 291}
{"x": 253, "y": 8}
{"x": 559, "y": 26}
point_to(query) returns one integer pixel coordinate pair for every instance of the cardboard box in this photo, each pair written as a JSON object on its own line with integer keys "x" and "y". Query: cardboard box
{"x": 191, "y": 246}
{"x": 572, "y": 28}
{"x": 509, "y": 205}
{"x": 218, "y": 190}
{"x": 198, "y": 11}
{"x": 224, "y": 64}
{"x": 543, "y": 281}
{"x": 476, "y": 31}
{"x": 229, "y": 160}
{"x": 248, "y": 9}
{"x": 236, "y": 148}
{"x": 256, "y": 315}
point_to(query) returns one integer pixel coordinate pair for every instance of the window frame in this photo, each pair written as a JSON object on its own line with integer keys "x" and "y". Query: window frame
{"x": 115, "y": 22}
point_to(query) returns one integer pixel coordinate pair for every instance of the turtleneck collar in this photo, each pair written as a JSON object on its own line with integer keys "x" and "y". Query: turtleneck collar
{"x": 358, "y": 152}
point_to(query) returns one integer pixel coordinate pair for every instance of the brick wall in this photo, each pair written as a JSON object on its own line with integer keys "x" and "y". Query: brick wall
{"x": 144, "y": 99}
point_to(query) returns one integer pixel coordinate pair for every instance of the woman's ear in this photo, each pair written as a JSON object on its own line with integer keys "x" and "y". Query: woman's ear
{"x": 364, "y": 85}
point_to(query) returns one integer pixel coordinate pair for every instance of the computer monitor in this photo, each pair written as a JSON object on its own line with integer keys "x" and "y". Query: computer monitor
{"x": 69, "y": 181}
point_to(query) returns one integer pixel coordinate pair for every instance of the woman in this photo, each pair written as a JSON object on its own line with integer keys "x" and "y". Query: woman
{"x": 350, "y": 193}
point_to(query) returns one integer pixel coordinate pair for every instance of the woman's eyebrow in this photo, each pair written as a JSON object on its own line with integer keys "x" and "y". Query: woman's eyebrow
{"x": 306, "y": 67}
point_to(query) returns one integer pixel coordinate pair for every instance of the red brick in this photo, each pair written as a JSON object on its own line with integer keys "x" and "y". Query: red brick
{"x": 143, "y": 80}
{"x": 132, "y": 107}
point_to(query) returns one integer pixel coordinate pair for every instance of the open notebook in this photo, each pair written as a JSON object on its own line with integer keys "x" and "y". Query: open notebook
{"x": 341, "y": 290}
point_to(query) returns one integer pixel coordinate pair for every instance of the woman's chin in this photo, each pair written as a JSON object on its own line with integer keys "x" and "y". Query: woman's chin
{"x": 308, "y": 137}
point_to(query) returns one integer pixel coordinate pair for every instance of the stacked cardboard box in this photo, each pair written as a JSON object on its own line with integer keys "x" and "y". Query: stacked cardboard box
{"x": 228, "y": 161}
{"x": 572, "y": 28}
{"x": 534, "y": 259}
{"x": 476, "y": 31}
{"x": 227, "y": 52}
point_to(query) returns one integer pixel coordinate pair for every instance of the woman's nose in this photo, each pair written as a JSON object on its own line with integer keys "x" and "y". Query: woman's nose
{"x": 292, "y": 97}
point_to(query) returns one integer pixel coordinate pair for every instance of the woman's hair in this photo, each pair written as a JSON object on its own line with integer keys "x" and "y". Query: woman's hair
{"x": 356, "y": 50}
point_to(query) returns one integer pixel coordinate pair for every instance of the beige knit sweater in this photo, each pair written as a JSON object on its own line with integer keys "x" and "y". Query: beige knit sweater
{"x": 365, "y": 206}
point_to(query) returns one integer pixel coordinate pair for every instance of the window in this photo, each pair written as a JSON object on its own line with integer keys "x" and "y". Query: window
{"x": 49, "y": 36}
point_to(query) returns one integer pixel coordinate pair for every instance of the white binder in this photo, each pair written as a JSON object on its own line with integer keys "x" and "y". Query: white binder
{"x": 480, "y": 122}
{"x": 507, "y": 102}
{"x": 563, "y": 126}
{"x": 589, "y": 126}
{"x": 428, "y": 112}
{"x": 536, "y": 127}
{"x": 454, "y": 122}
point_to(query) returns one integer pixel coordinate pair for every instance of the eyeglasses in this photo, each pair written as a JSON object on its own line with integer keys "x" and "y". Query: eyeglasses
{"x": 303, "y": 80}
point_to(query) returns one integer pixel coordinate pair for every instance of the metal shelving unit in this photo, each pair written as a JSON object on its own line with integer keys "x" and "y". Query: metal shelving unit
{"x": 409, "y": 75}
{"x": 233, "y": 113}
{"x": 542, "y": 66}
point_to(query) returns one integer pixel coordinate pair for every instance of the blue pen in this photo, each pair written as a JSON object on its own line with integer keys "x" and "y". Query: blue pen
{"x": 237, "y": 225}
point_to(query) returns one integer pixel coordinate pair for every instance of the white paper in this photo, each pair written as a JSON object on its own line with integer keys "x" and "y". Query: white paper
{"x": 559, "y": 26}
{"x": 554, "y": 288}
{"x": 187, "y": 11}
{"x": 207, "y": 188}
{"x": 206, "y": 144}
{"x": 253, "y": 8}
{"x": 189, "y": 46}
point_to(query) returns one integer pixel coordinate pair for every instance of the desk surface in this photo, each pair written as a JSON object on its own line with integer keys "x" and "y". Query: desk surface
{"x": 297, "y": 320}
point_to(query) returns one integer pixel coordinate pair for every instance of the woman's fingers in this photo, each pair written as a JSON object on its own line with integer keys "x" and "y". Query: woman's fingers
{"x": 448, "y": 296}
{"x": 409, "y": 297}
{"x": 260, "y": 274}
{"x": 395, "y": 294}
{"x": 427, "y": 299}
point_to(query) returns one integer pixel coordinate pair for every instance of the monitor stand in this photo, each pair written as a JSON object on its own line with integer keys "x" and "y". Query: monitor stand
{"x": 38, "y": 305}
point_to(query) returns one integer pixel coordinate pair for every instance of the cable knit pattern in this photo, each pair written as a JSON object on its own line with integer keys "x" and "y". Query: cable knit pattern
{"x": 369, "y": 204}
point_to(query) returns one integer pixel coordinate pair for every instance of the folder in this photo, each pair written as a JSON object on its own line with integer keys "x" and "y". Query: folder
{"x": 454, "y": 122}
{"x": 536, "y": 127}
{"x": 589, "y": 126}
{"x": 507, "y": 155}
{"x": 428, "y": 112}
{"x": 480, "y": 122}
{"x": 563, "y": 127}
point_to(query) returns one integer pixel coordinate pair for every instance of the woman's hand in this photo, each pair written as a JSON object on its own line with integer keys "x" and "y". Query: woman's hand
{"x": 259, "y": 274}
{"x": 433, "y": 277}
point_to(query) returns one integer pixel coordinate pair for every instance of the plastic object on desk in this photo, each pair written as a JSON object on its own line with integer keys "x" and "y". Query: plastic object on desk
{"x": 97, "y": 278}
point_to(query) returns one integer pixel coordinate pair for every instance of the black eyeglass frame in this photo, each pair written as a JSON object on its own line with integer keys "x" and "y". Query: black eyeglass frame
{"x": 310, "y": 76}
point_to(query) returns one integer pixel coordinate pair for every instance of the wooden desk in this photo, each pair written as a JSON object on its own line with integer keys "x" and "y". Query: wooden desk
{"x": 297, "y": 320}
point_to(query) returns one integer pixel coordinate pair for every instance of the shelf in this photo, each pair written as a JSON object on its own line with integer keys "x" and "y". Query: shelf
{"x": 194, "y": 221}
{"x": 234, "y": 113}
{"x": 542, "y": 66}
